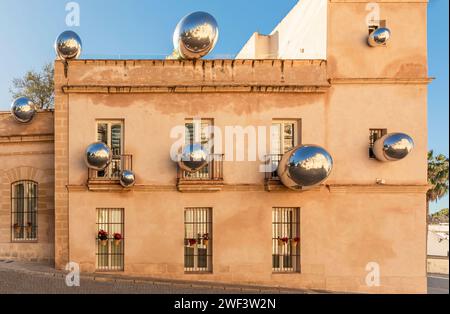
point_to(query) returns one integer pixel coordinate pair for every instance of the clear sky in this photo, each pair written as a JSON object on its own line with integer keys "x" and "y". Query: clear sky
{"x": 143, "y": 29}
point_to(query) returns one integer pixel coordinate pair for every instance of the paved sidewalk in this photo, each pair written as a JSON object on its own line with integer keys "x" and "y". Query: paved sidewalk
{"x": 19, "y": 277}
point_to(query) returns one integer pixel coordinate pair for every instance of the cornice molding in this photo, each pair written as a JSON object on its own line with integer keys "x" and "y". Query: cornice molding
{"x": 383, "y": 80}
{"x": 333, "y": 189}
{"x": 188, "y": 89}
{"x": 27, "y": 138}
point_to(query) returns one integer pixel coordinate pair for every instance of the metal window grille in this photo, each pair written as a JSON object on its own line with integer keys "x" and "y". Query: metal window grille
{"x": 375, "y": 134}
{"x": 198, "y": 240}
{"x": 24, "y": 202}
{"x": 285, "y": 240}
{"x": 110, "y": 252}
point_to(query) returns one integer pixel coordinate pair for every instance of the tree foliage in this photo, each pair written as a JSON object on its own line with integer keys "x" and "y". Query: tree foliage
{"x": 37, "y": 86}
{"x": 437, "y": 177}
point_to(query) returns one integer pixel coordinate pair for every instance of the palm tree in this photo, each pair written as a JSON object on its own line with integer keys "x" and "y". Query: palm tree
{"x": 437, "y": 177}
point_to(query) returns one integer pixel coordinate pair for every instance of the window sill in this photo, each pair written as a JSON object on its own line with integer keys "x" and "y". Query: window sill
{"x": 198, "y": 273}
{"x": 24, "y": 241}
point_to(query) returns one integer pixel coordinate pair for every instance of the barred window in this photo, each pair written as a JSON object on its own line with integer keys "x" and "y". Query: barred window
{"x": 24, "y": 211}
{"x": 198, "y": 240}
{"x": 286, "y": 240}
{"x": 110, "y": 239}
{"x": 375, "y": 134}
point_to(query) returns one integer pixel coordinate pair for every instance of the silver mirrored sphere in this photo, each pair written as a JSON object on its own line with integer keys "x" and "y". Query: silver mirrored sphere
{"x": 68, "y": 45}
{"x": 127, "y": 178}
{"x": 193, "y": 158}
{"x": 305, "y": 166}
{"x": 23, "y": 110}
{"x": 379, "y": 37}
{"x": 195, "y": 35}
{"x": 98, "y": 156}
{"x": 393, "y": 147}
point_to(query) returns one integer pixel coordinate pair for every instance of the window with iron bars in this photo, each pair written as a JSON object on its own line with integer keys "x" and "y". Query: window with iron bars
{"x": 285, "y": 240}
{"x": 198, "y": 240}
{"x": 374, "y": 135}
{"x": 24, "y": 203}
{"x": 110, "y": 247}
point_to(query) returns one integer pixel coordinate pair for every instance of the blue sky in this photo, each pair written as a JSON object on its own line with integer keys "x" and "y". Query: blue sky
{"x": 143, "y": 29}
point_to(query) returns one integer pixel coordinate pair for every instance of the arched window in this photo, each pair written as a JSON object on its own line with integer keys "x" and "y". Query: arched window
{"x": 24, "y": 211}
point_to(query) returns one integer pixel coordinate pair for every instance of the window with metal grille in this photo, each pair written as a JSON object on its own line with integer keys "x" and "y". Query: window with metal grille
{"x": 197, "y": 132}
{"x": 285, "y": 240}
{"x": 198, "y": 240}
{"x": 374, "y": 135}
{"x": 110, "y": 239}
{"x": 24, "y": 211}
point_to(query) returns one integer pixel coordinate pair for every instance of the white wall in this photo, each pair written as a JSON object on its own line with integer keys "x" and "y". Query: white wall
{"x": 302, "y": 34}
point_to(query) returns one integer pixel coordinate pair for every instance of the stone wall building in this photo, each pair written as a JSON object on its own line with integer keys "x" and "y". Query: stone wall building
{"x": 366, "y": 213}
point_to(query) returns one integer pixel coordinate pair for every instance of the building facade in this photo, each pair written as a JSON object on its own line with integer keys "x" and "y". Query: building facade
{"x": 27, "y": 179}
{"x": 232, "y": 222}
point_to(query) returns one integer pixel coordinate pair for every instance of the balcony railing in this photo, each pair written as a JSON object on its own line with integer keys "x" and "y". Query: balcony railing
{"x": 112, "y": 172}
{"x": 212, "y": 172}
{"x": 273, "y": 161}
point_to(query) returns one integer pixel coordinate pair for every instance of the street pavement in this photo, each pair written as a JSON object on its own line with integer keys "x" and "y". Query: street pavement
{"x": 33, "y": 278}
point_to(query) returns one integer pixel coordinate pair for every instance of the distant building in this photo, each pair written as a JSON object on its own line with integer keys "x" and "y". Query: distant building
{"x": 438, "y": 237}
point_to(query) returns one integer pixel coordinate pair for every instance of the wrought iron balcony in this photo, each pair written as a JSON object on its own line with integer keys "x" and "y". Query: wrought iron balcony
{"x": 209, "y": 178}
{"x": 272, "y": 181}
{"x": 273, "y": 161}
{"x": 111, "y": 175}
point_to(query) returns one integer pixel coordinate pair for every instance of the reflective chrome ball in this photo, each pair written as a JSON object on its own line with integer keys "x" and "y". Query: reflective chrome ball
{"x": 98, "y": 156}
{"x": 68, "y": 45}
{"x": 393, "y": 147}
{"x": 127, "y": 178}
{"x": 379, "y": 37}
{"x": 305, "y": 166}
{"x": 23, "y": 110}
{"x": 195, "y": 35}
{"x": 193, "y": 158}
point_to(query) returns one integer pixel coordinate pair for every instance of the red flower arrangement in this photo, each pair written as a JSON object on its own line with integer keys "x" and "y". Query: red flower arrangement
{"x": 117, "y": 236}
{"x": 192, "y": 242}
{"x": 295, "y": 241}
{"x": 283, "y": 241}
{"x": 103, "y": 235}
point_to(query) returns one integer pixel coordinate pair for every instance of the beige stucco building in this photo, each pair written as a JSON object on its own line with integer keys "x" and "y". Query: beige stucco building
{"x": 366, "y": 212}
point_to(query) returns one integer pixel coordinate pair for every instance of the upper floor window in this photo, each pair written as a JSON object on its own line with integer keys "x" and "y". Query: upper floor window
{"x": 197, "y": 131}
{"x": 284, "y": 136}
{"x": 111, "y": 133}
{"x": 24, "y": 204}
{"x": 375, "y": 134}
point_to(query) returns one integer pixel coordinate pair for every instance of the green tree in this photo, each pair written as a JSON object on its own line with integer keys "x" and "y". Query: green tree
{"x": 437, "y": 177}
{"x": 37, "y": 86}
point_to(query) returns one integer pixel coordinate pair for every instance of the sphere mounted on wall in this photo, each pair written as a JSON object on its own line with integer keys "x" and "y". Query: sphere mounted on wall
{"x": 68, "y": 45}
{"x": 98, "y": 156}
{"x": 196, "y": 35}
{"x": 23, "y": 110}
{"x": 305, "y": 166}
{"x": 393, "y": 147}
{"x": 193, "y": 158}
{"x": 379, "y": 37}
{"x": 127, "y": 178}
